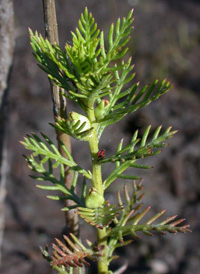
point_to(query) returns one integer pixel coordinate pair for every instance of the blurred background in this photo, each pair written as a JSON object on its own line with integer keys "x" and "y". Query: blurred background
{"x": 165, "y": 43}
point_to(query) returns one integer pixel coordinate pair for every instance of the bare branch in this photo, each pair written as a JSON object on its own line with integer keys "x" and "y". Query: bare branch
{"x": 59, "y": 106}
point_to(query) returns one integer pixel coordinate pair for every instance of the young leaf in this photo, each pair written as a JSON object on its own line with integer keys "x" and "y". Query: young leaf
{"x": 100, "y": 217}
{"x": 131, "y": 214}
{"x": 72, "y": 254}
{"x": 126, "y": 157}
{"x": 38, "y": 147}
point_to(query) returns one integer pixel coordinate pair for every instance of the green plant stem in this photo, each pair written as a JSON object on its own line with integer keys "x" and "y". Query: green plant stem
{"x": 98, "y": 185}
{"x": 103, "y": 260}
{"x": 93, "y": 143}
{"x": 96, "y": 167}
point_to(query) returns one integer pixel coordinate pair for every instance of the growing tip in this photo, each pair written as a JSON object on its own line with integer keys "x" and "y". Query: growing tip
{"x": 131, "y": 12}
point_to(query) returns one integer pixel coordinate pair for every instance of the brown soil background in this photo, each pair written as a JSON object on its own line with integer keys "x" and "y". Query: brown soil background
{"x": 165, "y": 43}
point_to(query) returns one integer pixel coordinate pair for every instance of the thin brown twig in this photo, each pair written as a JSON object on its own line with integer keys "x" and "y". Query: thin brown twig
{"x": 60, "y": 108}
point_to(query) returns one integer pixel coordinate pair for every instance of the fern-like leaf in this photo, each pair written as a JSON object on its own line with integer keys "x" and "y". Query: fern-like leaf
{"x": 39, "y": 148}
{"x": 72, "y": 254}
{"x": 86, "y": 65}
{"x": 118, "y": 37}
{"x": 130, "y": 99}
{"x": 145, "y": 149}
{"x": 126, "y": 157}
{"x": 131, "y": 214}
{"x": 46, "y": 174}
{"x": 100, "y": 217}
{"x": 168, "y": 225}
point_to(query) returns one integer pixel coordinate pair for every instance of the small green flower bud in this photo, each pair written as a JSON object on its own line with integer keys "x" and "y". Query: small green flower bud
{"x": 84, "y": 124}
{"x": 94, "y": 199}
{"x": 100, "y": 109}
{"x": 83, "y": 119}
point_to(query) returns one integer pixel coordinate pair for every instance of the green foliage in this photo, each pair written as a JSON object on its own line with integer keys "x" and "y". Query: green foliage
{"x": 94, "y": 76}
{"x": 101, "y": 216}
{"x": 125, "y": 160}
{"x": 131, "y": 214}
{"x": 39, "y": 148}
{"x": 72, "y": 254}
{"x": 77, "y": 126}
{"x": 128, "y": 221}
{"x": 87, "y": 72}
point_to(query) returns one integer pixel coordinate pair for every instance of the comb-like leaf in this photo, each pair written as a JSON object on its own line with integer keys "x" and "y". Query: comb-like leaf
{"x": 128, "y": 222}
{"x": 38, "y": 147}
{"x": 148, "y": 228}
{"x": 132, "y": 103}
{"x": 126, "y": 157}
{"x": 73, "y": 253}
{"x": 100, "y": 217}
{"x": 85, "y": 67}
{"x": 46, "y": 174}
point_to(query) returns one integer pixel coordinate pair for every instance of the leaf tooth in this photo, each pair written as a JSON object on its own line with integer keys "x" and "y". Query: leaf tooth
{"x": 47, "y": 187}
{"x": 77, "y": 241}
{"x": 141, "y": 215}
{"x": 85, "y": 209}
{"x": 120, "y": 145}
{"x": 81, "y": 26}
{"x": 185, "y": 229}
{"x": 86, "y": 13}
{"x": 51, "y": 197}
{"x": 148, "y": 233}
{"x": 85, "y": 262}
{"x": 150, "y": 221}
{"x": 110, "y": 36}
{"x": 76, "y": 261}
{"x": 127, "y": 197}
{"x": 89, "y": 243}
{"x": 168, "y": 220}
{"x": 140, "y": 184}
{"x": 128, "y": 216}
{"x": 68, "y": 208}
{"x": 156, "y": 133}
{"x": 64, "y": 247}
{"x": 145, "y": 136}
{"x": 168, "y": 129}
{"x": 71, "y": 244}
{"x": 140, "y": 197}
{"x": 177, "y": 222}
{"x": 119, "y": 199}
{"x": 134, "y": 185}
{"x": 132, "y": 219}
{"x": 102, "y": 46}
{"x": 130, "y": 14}
{"x": 70, "y": 263}
{"x": 60, "y": 251}
{"x": 171, "y": 230}
{"x": 117, "y": 27}
{"x": 138, "y": 207}
{"x": 135, "y": 235}
{"x": 55, "y": 257}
